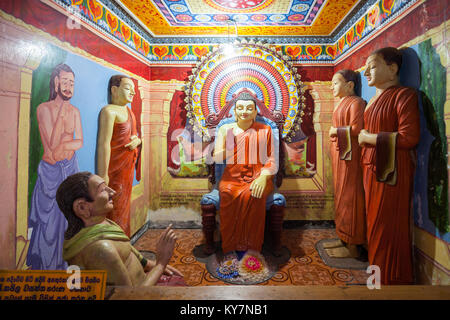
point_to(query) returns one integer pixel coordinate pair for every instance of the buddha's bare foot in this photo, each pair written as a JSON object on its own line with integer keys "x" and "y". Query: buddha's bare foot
{"x": 333, "y": 244}
{"x": 343, "y": 252}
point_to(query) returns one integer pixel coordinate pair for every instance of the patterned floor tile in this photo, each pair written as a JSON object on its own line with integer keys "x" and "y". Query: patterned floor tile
{"x": 305, "y": 267}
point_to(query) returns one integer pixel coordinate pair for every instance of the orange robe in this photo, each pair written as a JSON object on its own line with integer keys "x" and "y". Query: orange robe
{"x": 389, "y": 206}
{"x": 121, "y": 171}
{"x": 347, "y": 174}
{"x": 242, "y": 217}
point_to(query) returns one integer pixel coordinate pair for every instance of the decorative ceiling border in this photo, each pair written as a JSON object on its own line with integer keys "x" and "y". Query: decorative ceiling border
{"x": 357, "y": 11}
{"x": 378, "y": 16}
{"x": 109, "y": 18}
{"x": 309, "y": 14}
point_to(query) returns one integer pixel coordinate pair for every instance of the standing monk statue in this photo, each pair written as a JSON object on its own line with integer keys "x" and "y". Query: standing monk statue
{"x": 117, "y": 147}
{"x": 61, "y": 135}
{"x": 246, "y": 146}
{"x": 390, "y": 135}
{"x": 348, "y": 120}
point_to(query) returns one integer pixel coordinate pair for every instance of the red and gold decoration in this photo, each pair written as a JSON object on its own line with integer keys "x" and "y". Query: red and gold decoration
{"x": 160, "y": 51}
{"x": 350, "y": 36}
{"x": 112, "y": 21}
{"x": 136, "y": 40}
{"x": 387, "y": 5}
{"x": 360, "y": 26}
{"x": 293, "y": 51}
{"x": 331, "y": 51}
{"x": 96, "y": 9}
{"x": 180, "y": 51}
{"x": 126, "y": 32}
{"x": 314, "y": 51}
{"x": 372, "y": 16}
{"x": 145, "y": 47}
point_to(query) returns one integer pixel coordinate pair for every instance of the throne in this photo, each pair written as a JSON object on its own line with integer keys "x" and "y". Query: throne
{"x": 275, "y": 202}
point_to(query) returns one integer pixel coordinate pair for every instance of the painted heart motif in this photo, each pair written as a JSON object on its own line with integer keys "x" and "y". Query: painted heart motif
{"x": 145, "y": 47}
{"x": 160, "y": 51}
{"x": 96, "y": 9}
{"x": 360, "y": 27}
{"x": 314, "y": 51}
{"x": 126, "y": 32}
{"x": 341, "y": 44}
{"x": 112, "y": 21}
{"x": 372, "y": 16}
{"x": 350, "y": 35}
{"x": 180, "y": 52}
{"x": 136, "y": 40}
{"x": 76, "y": 2}
{"x": 331, "y": 51}
{"x": 387, "y": 5}
{"x": 294, "y": 52}
{"x": 201, "y": 51}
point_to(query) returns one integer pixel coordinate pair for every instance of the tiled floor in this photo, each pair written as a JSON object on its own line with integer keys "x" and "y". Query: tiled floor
{"x": 305, "y": 267}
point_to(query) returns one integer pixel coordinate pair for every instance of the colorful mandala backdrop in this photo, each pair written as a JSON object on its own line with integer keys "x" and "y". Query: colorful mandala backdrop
{"x": 251, "y": 65}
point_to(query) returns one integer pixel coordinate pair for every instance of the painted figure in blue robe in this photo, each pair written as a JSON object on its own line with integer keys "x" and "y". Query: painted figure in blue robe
{"x": 61, "y": 135}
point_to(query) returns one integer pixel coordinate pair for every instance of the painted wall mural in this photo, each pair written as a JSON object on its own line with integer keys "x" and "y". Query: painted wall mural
{"x": 64, "y": 109}
{"x": 61, "y": 135}
{"x": 431, "y": 187}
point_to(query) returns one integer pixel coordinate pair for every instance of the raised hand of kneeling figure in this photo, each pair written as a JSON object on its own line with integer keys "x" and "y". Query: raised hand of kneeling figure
{"x": 165, "y": 246}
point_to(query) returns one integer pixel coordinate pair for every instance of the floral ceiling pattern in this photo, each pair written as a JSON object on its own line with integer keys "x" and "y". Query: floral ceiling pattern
{"x": 252, "y": 17}
{"x": 178, "y": 47}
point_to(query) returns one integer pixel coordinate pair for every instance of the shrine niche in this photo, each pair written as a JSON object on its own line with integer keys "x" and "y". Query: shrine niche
{"x": 208, "y": 96}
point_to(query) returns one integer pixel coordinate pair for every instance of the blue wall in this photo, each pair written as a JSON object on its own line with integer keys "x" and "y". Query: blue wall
{"x": 90, "y": 95}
